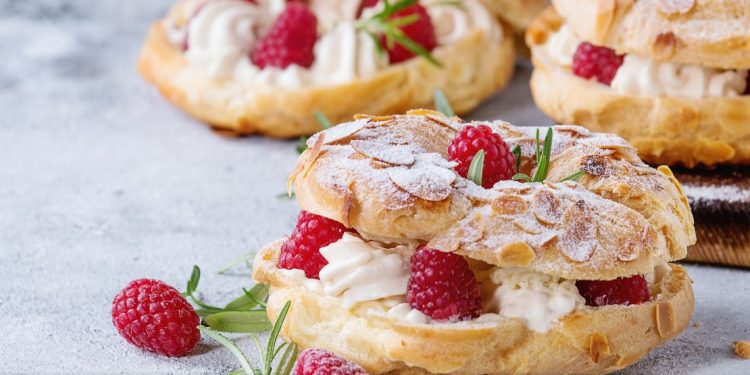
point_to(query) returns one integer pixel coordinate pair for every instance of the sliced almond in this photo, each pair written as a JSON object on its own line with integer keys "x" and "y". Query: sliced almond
{"x": 578, "y": 241}
{"x": 598, "y": 346}
{"x": 509, "y": 205}
{"x": 339, "y": 132}
{"x": 424, "y": 180}
{"x": 391, "y": 154}
{"x": 665, "y": 319}
{"x": 674, "y": 7}
{"x": 546, "y": 207}
{"x": 516, "y": 254}
{"x": 664, "y": 46}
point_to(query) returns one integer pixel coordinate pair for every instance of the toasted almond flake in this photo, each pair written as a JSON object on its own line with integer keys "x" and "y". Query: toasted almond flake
{"x": 579, "y": 240}
{"x": 665, "y": 319}
{"x": 598, "y": 346}
{"x": 664, "y": 46}
{"x": 424, "y": 180}
{"x": 424, "y": 112}
{"x": 509, "y": 205}
{"x": 516, "y": 254}
{"x": 391, "y": 154}
{"x": 673, "y": 7}
{"x": 742, "y": 349}
{"x": 546, "y": 207}
{"x": 304, "y": 164}
{"x": 339, "y": 132}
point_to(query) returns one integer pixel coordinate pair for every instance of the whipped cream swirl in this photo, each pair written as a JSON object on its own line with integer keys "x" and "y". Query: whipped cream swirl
{"x": 640, "y": 76}
{"x": 539, "y": 299}
{"x": 221, "y": 35}
{"x": 360, "y": 271}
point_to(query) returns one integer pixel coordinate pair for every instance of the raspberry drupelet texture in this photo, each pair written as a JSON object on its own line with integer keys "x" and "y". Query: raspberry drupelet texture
{"x": 291, "y": 39}
{"x": 323, "y": 362}
{"x": 442, "y": 286}
{"x": 302, "y": 249}
{"x": 621, "y": 291}
{"x": 156, "y": 317}
{"x": 602, "y": 63}
{"x": 421, "y": 31}
{"x": 499, "y": 162}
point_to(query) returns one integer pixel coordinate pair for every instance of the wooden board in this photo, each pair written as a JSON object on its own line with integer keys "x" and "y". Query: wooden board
{"x": 720, "y": 200}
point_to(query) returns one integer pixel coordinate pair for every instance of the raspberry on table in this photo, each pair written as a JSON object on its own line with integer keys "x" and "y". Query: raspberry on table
{"x": 323, "y": 362}
{"x": 156, "y": 317}
{"x": 621, "y": 291}
{"x": 593, "y": 61}
{"x": 442, "y": 286}
{"x": 499, "y": 161}
{"x": 291, "y": 39}
{"x": 421, "y": 32}
{"x": 302, "y": 249}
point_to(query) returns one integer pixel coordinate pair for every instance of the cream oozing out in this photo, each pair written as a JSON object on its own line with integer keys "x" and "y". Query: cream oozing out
{"x": 222, "y": 34}
{"x": 641, "y": 76}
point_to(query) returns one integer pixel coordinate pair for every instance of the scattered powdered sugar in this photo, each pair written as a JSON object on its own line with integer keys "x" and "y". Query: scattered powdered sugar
{"x": 579, "y": 241}
{"x": 730, "y": 194}
{"x": 424, "y": 179}
{"x": 391, "y": 154}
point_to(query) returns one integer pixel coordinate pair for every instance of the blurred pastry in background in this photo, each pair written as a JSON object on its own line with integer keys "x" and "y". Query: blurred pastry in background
{"x": 671, "y": 77}
{"x": 268, "y": 66}
{"x": 518, "y": 14}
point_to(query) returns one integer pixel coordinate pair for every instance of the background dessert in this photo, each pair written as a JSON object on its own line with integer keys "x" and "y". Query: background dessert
{"x": 238, "y": 66}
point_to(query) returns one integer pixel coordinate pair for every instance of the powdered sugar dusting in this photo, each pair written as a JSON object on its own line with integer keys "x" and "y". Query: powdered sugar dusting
{"x": 579, "y": 240}
{"x": 424, "y": 179}
{"x": 391, "y": 154}
{"x": 730, "y": 194}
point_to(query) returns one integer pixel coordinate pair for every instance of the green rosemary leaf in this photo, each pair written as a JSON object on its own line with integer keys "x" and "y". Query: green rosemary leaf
{"x": 323, "y": 120}
{"x": 442, "y": 104}
{"x": 235, "y": 261}
{"x": 223, "y": 340}
{"x": 195, "y": 277}
{"x": 452, "y": 3}
{"x": 285, "y": 196}
{"x": 239, "y": 321}
{"x": 542, "y": 166}
{"x": 405, "y": 21}
{"x": 536, "y": 146}
{"x": 476, "y": 168}
{"x": 301, "y": 145}
{"x": 274, "y": 336}
{"x": 287, "y": 360}
{"x": 521, "y": 177}
{"x": 250, "y": 299}
{"x": 416, "y": 49}
{"x": 237, "y": 372}
{"x": 206, "y": 312}
{"x": 575, "y": 176}
{"x": 517, "y": 154}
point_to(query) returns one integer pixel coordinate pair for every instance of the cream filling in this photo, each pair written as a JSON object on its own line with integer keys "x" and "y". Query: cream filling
{"x": 222, "y": 34}
{"x": 640, "y": 76}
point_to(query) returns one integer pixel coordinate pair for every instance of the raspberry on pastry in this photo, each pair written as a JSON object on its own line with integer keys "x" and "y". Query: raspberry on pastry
{"x": 290, "y": 40}
{"x": 621, "y": 291}
{"x": 499, "y": 162}
{"x": 442, "y": 286}
{"x": 302, "y": 249}
{"x": 671, "y": 91}
{"x": 590, "y": 61}
{"x": 434, "y": 270}
{"x": 421, "y": 31}
{"x": 268, "y": 66}
{"x": 323, "y": 362}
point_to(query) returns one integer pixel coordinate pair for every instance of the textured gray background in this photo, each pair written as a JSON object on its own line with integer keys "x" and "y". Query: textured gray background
{"x": 102, "y": 182}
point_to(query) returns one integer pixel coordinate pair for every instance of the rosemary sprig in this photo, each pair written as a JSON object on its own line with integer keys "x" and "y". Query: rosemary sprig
{"x": 442, "y": 104}
{"x": 382, "y": 24}
{"x": 237, "y": 260}
{"x": 244, "y": 314}
{"x": 476, "y": 168}
{"x": 543, "y": 158}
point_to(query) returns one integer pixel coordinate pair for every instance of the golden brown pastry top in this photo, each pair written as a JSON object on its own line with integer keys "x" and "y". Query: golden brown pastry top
{"x": 389, "y": 178}
{"x": 713, "y": 33}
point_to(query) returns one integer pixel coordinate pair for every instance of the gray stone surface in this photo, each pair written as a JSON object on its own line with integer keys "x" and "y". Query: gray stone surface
{"x": 102, "y": 182}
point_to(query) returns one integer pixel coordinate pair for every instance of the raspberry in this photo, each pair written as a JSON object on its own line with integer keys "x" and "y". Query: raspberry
{"x": 499, "y": 162}
{"x": 594, "y": 61}
{"x": 291, "y": 39}
{"x": 621, "y": 291}
{"x": 302, "y": 249}
{"x": 421, "y": 31}
{"x": 156, "y": 317}
{"x": 323, "y": 362}
{"x": 443, "y": 286}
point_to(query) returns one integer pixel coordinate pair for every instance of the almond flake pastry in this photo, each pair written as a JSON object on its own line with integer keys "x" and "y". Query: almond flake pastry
{"x": 268, "y": 66}
{"x": 550, "y": 253}
{"x": 670, "y": 76}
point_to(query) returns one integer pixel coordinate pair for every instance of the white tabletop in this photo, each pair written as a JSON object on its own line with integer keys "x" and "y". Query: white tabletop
{"x": 102, "y": 182}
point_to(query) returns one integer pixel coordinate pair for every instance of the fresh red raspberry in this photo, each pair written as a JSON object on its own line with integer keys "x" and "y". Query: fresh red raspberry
{"x": 421, "y": 32}
{"x": 323, "y": 362}
{"x": 291, "y": 39}
{"x": 621, "y": 291}
{"x": 302, "y": 249}
{"x": 442, "y": 286}
{"x": 156, "y": 317}
{"x": 594, "y": 61}
{"x": 499, "y": 161}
